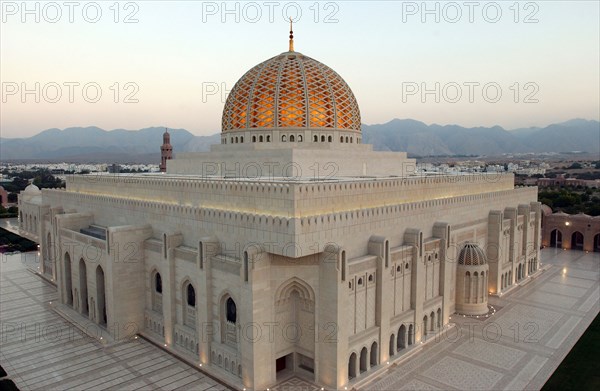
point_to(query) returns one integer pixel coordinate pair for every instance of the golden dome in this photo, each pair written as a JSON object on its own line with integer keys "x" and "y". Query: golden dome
{"x": 291, "y": 90}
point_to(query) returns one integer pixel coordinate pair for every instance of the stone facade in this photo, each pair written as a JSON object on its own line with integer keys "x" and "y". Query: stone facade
{"x": 255, "y": 278}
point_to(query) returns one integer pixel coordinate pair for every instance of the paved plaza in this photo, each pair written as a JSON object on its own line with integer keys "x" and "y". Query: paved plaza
{"x": 42, "y": 351}
{"x": 519, "y": 347}
{"x": 535, "y": 326}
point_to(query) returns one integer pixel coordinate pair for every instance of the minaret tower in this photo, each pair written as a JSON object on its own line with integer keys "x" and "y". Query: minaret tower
{"x": 166, "y": 151}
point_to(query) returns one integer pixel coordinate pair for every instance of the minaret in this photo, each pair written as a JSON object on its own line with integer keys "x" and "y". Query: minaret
{"x": 166, "y": 151}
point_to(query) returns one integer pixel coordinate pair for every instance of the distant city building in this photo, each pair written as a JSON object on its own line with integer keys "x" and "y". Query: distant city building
{"x": 114, "y": 168}
{"x": 561, "y": 181}
{"x": 3, "y": 196}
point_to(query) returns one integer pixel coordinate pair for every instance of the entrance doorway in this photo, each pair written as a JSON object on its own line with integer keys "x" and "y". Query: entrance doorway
{"x": 284, "y": 365}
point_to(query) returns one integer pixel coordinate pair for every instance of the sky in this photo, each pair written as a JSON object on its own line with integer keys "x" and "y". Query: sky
{"x": 139, "y": 64}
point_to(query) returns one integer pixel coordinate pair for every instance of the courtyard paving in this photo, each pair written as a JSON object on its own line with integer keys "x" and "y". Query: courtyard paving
{"x": 535, "y": 326}
{"x": 40, "y": 350}
{"x": 520, "y": 346}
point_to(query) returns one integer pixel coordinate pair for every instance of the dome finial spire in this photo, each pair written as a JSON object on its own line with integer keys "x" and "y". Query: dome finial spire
{"x": 291, "y": 36}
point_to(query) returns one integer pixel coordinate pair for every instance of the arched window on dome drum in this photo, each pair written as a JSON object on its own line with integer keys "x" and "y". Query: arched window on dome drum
{"x": 242, "y": 139}
{"x": 329, "y": 139}
{"x": 299, "y": 138}
{"x": 315, "y": 138}
{"x": 232, "y": 140}
{"x": 253, "y": 139}
{"x": 346, "y": 138}
{"x": 351, "y": 140}
{"x": 341, "y": 139}
{"x": 292, "y": 138}
{"x": 467, "y": 287}
{"x": 475, "y": 287}
{"x": 322, "y": 139}
{"x": 236, "y": 140}
{"x": 260, "y": 139}
{"x": 283, "y": 138}
{"x": 268, "y": 139}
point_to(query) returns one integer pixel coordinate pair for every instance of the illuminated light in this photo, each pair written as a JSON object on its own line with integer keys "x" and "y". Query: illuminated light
{"x": 567, "y": 223}
{"x": 100, "y": 337}
{"x": 388, "y": 363}
{"x": 165, "y": 345}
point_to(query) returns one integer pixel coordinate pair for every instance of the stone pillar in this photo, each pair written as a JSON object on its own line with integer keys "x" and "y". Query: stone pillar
{"x": 414, "y": 237}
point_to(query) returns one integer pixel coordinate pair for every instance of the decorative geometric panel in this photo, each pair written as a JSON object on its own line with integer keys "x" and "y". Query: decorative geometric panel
{"x": 291, "y": 95}
{"x": 291, "y": 90}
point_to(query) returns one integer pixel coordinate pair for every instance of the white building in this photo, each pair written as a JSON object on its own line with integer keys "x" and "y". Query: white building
{"x": 291, "y": 248}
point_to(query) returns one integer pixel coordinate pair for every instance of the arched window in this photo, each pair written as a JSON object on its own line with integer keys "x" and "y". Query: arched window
{"x": 157, "y": 283}
{"x": 189, "y": 305}
{"x": 157, "y": 292}
{"x": 236, "y": 140}
{"x": 346, "y": 138}
{"x": 341, "y": 139}
{"x": 363, "y": 360}
{"x": 260, "y": 139}
{"x": 230, "y": 310}
{"x": 299, "y": 138}
{"x": 283, "y": 138}
{"x": 191, "y": 296}
{"x": 253, "y": 139}
{"x": 268, "y": 139}
{"x": 329, "y": 139}
{"x": 241, "y": 139}
{"x": 292, "y": 138}
{"x": 315, "y": 138}
{"x": 352, "y": 366}
{"x": 374, "y": 357}
{"x": 229, "y": 322}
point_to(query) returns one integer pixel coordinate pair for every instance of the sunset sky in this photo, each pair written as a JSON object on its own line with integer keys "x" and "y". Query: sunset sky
{"x": 178, "y": 59}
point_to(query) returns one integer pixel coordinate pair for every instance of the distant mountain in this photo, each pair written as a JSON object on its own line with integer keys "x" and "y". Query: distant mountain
{"x": 419, "y": 139}
{"x": 93, "y": 144}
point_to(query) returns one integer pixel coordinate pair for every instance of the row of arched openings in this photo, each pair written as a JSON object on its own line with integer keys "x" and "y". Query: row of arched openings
{"x": 368, "y": 359}
{"x": 229, "y": 312}
{"x": 577, "y": 240}
{"x": 475, "y": 286}
{"x": 78, "y": 298}
{"x": 28, "y": 222}
{"x": 506, "y": 279}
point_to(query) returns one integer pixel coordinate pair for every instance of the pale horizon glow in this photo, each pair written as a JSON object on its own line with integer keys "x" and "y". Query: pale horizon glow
{"x": 171, "y": 55}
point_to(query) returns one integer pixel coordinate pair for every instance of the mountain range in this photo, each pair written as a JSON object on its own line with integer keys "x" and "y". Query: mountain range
{"x": 92, "y": 144}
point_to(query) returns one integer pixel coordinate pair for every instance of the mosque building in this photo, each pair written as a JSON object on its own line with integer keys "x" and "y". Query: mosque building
{"x": 292, "y": 248}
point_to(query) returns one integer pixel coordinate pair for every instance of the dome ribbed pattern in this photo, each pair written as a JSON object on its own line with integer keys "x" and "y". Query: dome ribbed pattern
{"x": 472, "y": 255}
{"x": 291, "y": 90}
